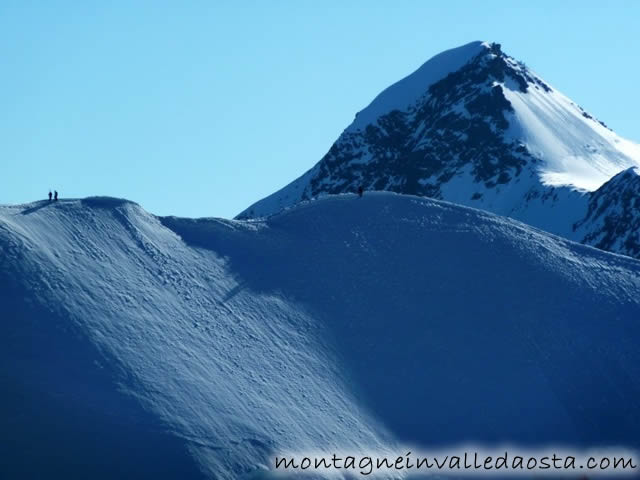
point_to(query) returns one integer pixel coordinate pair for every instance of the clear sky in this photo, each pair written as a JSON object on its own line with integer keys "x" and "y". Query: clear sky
{"x": 201, "y": 108}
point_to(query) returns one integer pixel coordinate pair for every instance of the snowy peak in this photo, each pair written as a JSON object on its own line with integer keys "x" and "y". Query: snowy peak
{"x": 455, "y": 126}
{"x": 476, "y": 127}
{"x": 406, "y": 92}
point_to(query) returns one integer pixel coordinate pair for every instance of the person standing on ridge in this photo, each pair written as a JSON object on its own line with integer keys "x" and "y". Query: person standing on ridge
{"x": 360, "y": 191}
{"x": 55, "y": 195}
{"x": 49, "y": 195}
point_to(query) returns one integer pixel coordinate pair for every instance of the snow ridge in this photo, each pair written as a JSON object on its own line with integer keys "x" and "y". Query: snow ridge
{"x": 200, "y": 348}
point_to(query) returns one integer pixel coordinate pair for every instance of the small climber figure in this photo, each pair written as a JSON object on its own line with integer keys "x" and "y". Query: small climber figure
{"x": 360, "y": 191}
{"x": 49, "y": 195}
{"x": 55, "y": 195}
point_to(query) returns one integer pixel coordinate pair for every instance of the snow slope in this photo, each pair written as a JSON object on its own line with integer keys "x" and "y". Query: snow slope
{"x": 146, "y": 347}
{"x": 475, "y": 127}
{"x": 401, "y": 95}
{"x": 575, "y": 149}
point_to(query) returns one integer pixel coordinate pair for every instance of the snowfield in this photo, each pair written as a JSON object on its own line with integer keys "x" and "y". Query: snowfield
{"x": 134, "y": 346}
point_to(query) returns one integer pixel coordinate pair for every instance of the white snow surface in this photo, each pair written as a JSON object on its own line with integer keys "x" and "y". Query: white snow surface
{"x": 575, "y": 150}
{"x": 176, "y": 348}
{"x": 407, "y": 91}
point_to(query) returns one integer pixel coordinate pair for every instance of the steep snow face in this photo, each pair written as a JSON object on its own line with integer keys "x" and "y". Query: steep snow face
{"x": 490, "y": 134}
{"x": 217, "y": 374}
{"x": 576, "y": 150}
{"x": 165, "y": 347}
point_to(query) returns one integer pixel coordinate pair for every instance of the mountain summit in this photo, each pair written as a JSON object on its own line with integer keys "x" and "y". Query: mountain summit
{"x": 479, "y": 128}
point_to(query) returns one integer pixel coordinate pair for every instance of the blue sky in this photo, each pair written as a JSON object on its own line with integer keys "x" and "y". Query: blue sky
{"x": 201, "y": 108}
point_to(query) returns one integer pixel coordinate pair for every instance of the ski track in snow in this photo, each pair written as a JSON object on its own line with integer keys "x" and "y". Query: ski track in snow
{"x": 339, "y": 324}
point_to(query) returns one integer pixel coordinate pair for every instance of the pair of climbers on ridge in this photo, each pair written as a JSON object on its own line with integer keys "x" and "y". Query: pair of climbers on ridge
{"x": 55, "y": 195}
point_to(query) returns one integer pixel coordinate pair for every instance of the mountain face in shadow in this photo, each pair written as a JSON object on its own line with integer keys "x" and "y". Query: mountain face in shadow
{"x": 144, "y": 347}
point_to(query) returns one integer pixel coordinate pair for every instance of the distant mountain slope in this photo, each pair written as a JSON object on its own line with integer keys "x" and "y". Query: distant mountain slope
{"x": 613, "y": 218}
{"x": 476, "y": 127}
{"x": 132, "y": 345}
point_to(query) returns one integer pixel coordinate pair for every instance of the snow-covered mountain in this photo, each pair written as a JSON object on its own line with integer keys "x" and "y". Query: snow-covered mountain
{"x": 613, "y": 218}
{"x": 476, "y": 127}
{"x": 133, "y": 346}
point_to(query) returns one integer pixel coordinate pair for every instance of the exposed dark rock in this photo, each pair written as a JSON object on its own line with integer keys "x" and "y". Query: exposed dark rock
{"x": 461, "y": 120}
{"x": 613, "y": 217}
